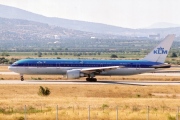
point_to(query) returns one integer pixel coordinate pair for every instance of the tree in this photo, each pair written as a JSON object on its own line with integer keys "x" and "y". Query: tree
{"x": 55, "y": 53}
{"x": 114, "y": 56}
{"x": 3, "y": 61}
{"x": 39, "y": 54}
{"x": 59, "y": 49}
{"x": 173, "y": 54}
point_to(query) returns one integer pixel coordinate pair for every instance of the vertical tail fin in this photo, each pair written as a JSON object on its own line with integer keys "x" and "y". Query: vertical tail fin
{"x": 160, "y": 52}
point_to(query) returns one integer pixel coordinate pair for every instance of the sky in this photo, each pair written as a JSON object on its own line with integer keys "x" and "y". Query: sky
{"x": 123, "y": 13}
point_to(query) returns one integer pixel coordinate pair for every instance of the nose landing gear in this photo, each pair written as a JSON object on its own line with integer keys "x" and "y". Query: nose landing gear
{"x": 22, "y": 78}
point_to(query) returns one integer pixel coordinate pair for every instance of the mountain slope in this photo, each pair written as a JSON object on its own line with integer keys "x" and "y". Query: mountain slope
{"x": 163, "y": 25}
{"x": 16, "y": 13}
{"x": 16, "y": 29}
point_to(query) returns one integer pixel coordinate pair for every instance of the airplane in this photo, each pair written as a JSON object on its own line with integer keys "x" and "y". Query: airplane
{"x": 75, "y": 69}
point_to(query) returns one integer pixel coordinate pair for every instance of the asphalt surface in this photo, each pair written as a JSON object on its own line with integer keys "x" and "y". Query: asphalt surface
{"x": 80, "y": 82}
{"x": 172, "y": 73}
{"x": 99, "y": 82}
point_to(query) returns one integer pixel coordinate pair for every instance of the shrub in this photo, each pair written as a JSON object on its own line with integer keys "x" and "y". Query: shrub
{"x": 105, "y": 106}
{"x": 32, "y": 78}
{"x": 171, "y": 117}
{"x": 20, "y": 118}
{"x": 2, "y": 110}
{"x": 138, "y": 95}
{"x": 114, "y": 56}
{"x": 135, "y": 108}
{"x": 44, "y": 91}
{"x": 174, "y": 54}
{"x": 122, "y": 57}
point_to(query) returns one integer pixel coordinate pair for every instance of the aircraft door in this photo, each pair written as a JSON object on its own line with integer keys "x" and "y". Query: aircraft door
{"x": 57, "y": 65}
{"x": 101, "y": 65}
{"x": 26, "y": 67}
{"x": 138, "y": 66}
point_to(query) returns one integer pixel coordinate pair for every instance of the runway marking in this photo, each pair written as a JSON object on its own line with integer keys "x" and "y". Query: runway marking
{"x": 8, "y": 73}
{"x": 154, "y": 74}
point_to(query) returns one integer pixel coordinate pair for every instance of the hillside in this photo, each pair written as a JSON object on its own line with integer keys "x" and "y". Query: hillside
{"x": 16, "y": 29}
{"x": 16, "y": 13}
{"x": 98, "y": 28}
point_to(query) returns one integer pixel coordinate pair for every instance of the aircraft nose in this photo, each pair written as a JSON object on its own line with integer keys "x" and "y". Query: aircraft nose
{"x": 10, "y": 68}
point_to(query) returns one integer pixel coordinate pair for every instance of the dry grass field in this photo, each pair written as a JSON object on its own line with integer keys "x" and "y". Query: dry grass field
{"x": 4, "y": 68}
{"x": 73, "y": 100}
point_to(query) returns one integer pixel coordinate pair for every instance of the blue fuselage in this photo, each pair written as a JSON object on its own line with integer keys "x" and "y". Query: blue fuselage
{"x": 61, "y": 66}
{"x": 82, "y": 63}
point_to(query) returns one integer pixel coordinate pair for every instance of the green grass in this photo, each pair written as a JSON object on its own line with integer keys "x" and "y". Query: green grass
{"x": 103, "y": 55}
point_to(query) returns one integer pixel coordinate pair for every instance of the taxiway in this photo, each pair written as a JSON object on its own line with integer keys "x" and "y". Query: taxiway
{"x": 100, "y": 82}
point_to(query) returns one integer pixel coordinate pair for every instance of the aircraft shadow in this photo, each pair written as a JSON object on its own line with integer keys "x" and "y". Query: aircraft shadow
{"x": 85, "y": 82}
{"x": 122, "y": 83}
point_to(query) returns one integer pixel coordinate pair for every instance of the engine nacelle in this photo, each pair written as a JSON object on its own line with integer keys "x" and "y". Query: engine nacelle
{"x": 74, "y": 74}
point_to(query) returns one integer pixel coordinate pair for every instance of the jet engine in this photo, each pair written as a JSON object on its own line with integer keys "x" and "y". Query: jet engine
{"x": 74, "y": 74}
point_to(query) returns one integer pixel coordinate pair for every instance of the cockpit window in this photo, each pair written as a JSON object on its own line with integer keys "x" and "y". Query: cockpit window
{"x": 15, "y": 63}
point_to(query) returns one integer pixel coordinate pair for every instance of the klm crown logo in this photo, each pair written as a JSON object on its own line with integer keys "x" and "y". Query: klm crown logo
{"x": 160, "y": 50}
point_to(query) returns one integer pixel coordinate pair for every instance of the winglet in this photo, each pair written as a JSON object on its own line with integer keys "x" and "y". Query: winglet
{"x": 160, "y": 52}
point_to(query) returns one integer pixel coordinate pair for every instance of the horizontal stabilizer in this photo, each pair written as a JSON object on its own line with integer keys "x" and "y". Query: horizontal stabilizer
{"x": 162, "y": 66}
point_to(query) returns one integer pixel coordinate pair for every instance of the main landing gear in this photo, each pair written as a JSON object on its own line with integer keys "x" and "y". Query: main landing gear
{"x": 91, "y": 79}
{"x": 22, "y": 78}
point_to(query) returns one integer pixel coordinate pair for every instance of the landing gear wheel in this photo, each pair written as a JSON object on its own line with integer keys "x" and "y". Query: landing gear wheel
{"x": 94, "y": 80}
{"x": 91, "y": 79}
{"x": 22, "y": 78}
{"x": 88, "y": 79}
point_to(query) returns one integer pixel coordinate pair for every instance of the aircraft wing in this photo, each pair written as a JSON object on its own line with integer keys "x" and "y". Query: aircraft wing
{"x": 99, "y": 69}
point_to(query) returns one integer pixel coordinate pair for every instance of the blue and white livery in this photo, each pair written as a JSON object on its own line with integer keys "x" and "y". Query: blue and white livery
{"x": 75, "y": 69}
